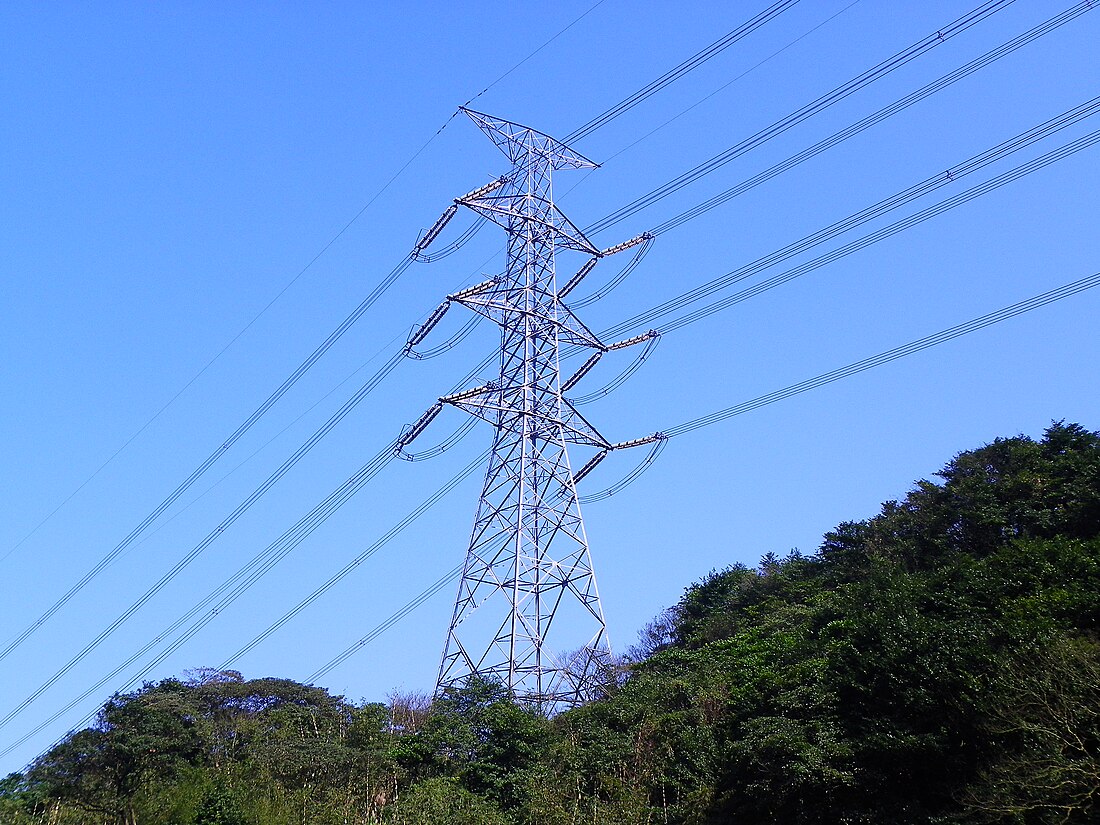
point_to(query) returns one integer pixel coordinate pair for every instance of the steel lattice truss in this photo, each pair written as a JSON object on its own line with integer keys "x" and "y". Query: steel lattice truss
{"x": 528, "y": 585}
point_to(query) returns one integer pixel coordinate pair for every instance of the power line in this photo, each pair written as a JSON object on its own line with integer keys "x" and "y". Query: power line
{"x": 211, "y": 537}
{"x": 229, "y": 590}
{"x": 899, "y": 105}
{"x": 1018, "y": 172}
{"x": 198, "y": 472}
{"x": 675, "y": 73}
{"x": 955, "y": 173}
{"x": 882, "y": 114}
{"x": 300, "y": 371}
{"x": 895, "y": 201}
{"x": 886, "y": 357}
{"x": 353, "y": 565}
{"x": 826, "y": 378}
{"x": 805, "y": 112}
{"x": 1027, "y": 305}
{"x": 790, "y": 44}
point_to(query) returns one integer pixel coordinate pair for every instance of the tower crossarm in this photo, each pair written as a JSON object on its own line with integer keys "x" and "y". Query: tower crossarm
{"x": 507, "y": 411}
{"x": 572, "y": 330}
{"x": 549, "y": 317}
{"x": 507, "y": 210}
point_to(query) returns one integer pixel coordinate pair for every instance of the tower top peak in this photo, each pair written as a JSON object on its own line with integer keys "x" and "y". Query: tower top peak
{"x": 517, "y": 141}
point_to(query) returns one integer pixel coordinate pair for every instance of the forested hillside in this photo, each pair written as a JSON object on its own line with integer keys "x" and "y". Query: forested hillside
{"x": 938, "y": 663}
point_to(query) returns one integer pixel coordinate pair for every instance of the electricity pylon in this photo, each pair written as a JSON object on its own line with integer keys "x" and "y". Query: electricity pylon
{"x": 528, "y": 584}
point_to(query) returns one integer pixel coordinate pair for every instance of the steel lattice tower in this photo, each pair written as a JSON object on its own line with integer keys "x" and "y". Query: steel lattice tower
{"x": 528, "y": 579}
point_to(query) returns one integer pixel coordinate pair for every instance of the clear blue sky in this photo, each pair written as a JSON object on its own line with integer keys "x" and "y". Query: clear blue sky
{"x": 167, "y": 172}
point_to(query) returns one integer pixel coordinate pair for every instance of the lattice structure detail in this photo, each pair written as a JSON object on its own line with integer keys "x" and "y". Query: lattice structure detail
{"x": 528, "y": 564}
{"x": 528, "y": 611}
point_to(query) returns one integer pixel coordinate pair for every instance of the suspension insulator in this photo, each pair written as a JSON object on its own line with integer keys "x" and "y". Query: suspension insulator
{"x": 590, "y": 466}
{"x": 462, "y": 396}
{"x": 637, "y": 339}
{"x": 421, "y": 332}
{"x": 481, "y": 191}
{"x": 638, "y": 442}
{"x": 579, "y": 374}
{"x": 416, "y": 429}
{"x": 611, "y": 250}
{"x": 576, "y": 279}
{"x": 433, "y": 233}
{"x": 473, "y": 290}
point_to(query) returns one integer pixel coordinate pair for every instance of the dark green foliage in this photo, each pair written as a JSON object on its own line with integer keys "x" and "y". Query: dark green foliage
{"x": 219, "y": 806}
{"x": 938, "y": 664}
{"x": 1046, "y": 725}
{"x": 443, "y": 799}
{"x": 20, "y": 800}
{"x": 865, "y": 684}
{"x": 142, "y": 738}
{"x": 1014, "y": 488}
{"x": 479, "y": 737}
